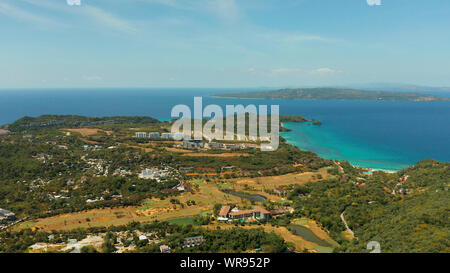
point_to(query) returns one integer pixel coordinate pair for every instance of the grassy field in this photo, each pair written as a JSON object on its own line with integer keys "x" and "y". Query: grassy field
{"x": 143, "y": 148}
{"x": 347, "y": 235}
{"x": 315, "y": 228}
{"x": 301, "y": 222}
{"x": 182, "y": 221}
{"x": 88, "y": 131}
{"x": 26, "y": 225}
{"x": 272, "y": 182}
{"x": 104, "y": 217}
{"x": 323, "y": 249}
{"x": 225, "y": 186}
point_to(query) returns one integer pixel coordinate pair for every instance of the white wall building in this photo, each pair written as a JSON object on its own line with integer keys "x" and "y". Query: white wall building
{"x": 141, "y": 134}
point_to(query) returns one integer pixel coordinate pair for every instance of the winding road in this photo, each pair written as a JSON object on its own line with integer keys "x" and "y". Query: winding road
{"x": 346, "y": 226}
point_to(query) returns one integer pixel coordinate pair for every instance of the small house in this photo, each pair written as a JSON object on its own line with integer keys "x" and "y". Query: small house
{"x": 193, "y": 144}
{"x": 164, "y": 249}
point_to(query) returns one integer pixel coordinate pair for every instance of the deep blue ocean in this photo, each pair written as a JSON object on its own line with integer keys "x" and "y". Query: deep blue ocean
{"x": 372, "y": 134}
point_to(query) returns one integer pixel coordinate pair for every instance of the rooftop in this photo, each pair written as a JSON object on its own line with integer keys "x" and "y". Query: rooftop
{"x": 4, "y": 212}
{"x": 224, "y": 211}
{"x": 256, "y": 209}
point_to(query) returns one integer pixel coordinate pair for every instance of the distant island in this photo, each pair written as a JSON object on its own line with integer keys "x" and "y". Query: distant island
{"x": 334, "y": 94}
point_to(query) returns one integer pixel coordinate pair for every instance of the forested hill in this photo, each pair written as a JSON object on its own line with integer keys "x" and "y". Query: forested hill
{"x": 75, "y": 121}
{"x": 335, "y": 94}
{"x": 418, "y": 219}
{"x": 407, "y": 211}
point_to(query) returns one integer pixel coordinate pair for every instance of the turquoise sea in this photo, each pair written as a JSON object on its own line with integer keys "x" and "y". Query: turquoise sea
{"x": 371, "y": 134}
{"x": 328, "y": 143}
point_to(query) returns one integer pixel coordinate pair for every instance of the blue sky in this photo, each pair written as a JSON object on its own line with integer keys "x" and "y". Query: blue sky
{"x": 223, "y": 43}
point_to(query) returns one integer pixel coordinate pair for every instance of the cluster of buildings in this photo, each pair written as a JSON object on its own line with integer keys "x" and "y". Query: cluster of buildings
{"x": 403, "y": 178}
{"x": 188, "y": 242}
{"x": 121, "y": 172}
{"x": 98, "y": 165}
{"x": 94, "y": 147}
{"x": 157, "y": 135}
{"x": 257, "y": 213}
{"x": 231, "y": 146}
{"x": 193, "y": 144}
{"x": 198, "y": 144}
{"x": 400, "y": 188}
{"x": 193, "y": 241}
{"x": 155, "y": 173}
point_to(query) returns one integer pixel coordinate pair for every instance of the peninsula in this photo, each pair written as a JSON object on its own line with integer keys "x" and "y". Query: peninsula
{"x": 334, "y": 94}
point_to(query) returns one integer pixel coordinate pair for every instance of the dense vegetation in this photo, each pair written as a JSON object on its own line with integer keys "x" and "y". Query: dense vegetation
{"x": 411, "y": 216}
{"x": 71, "y": 121}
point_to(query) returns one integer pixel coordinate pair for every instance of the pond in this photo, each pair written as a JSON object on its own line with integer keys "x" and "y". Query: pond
{"x": 251, "y": 197}
{"x": 308, "y": 235}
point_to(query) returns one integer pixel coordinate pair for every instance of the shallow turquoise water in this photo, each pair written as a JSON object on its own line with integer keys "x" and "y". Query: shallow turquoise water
{"x": 328, "y": 143}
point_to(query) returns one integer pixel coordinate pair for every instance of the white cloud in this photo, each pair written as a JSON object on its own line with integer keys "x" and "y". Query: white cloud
{"x": 320, "y": 71}
{"x": 287, "y": 38}
{"x": 98, "y": 15}
{"x": 170, "y": 3}
{"x": 23, "y": 15}
{"x": 287, "y": 70}
{"x": 324, "y": 71}
{"x": 374, "y": 2}
{"x": 227, "y": 10}
{"x": 107, "y": 19}
{"x": 92, "y": 78}
{"x": 302, "y": 38}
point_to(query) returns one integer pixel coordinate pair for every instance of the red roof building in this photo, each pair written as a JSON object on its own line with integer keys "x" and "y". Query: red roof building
{"x": 224, "y": 211}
